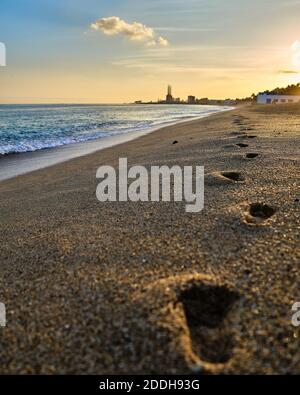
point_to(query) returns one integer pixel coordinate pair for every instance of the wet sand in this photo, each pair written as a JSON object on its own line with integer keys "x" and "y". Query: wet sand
{"x": 107, "y": 288}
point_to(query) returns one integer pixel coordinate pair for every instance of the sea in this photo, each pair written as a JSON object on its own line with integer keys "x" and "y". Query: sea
{"x": 29, "y": 128}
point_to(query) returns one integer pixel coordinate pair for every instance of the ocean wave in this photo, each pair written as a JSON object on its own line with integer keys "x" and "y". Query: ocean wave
{"x": 32, "y": 128}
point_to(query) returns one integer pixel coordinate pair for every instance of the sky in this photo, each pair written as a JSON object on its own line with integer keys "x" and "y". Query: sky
{"x": 116, "y": 51}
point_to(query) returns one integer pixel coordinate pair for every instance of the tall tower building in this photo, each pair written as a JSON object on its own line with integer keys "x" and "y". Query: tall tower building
{"x": 169, "y": 97}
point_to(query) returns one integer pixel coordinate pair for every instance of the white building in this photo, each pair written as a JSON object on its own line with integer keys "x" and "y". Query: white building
{"x": 264, "y": 98}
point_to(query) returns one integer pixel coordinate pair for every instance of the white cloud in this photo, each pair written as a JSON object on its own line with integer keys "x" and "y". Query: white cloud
{"x": 162, "y": 42}
{"x": 296, "y": 54}
{"x": 133, "y": 31}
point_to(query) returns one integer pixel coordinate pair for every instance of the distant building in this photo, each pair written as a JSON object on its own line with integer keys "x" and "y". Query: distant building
{"x": 191, "y": 100}
{"x": 203, "y": 101}
{"x": 229, "y": 102}
{"x": 264, "y": 98}
{"x": 169, "y": 97}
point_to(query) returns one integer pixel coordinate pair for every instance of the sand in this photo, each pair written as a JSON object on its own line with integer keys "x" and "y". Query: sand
{"x": 119, "y": 288}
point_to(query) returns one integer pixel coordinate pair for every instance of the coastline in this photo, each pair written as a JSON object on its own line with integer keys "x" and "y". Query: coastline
{"x": 13, "y": 165}
{"x": 109, "y": 288}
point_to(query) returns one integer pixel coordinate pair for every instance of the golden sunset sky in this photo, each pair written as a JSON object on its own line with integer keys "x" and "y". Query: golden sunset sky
{"x": 96, "y": 51}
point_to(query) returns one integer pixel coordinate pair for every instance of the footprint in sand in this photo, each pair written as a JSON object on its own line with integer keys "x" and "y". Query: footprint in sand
{"x": 259, "y": 213}
{"x": 208, "y": 310}
{"x": 202, "y": 317}
{"x": 224, "y": 177}
{"x": 251, "y": 155}
{"x": 230, "y": 146}
{"x": 242, "y": 145}
{"x": 233, "y": 175}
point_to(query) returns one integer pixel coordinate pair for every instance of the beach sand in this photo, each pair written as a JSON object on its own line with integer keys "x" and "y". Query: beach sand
{"x": 119, "y": 288}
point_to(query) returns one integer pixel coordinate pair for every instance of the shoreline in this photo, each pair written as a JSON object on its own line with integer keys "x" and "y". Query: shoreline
{"x": 16, "y": 164}
{"x": 146, "y": 288}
